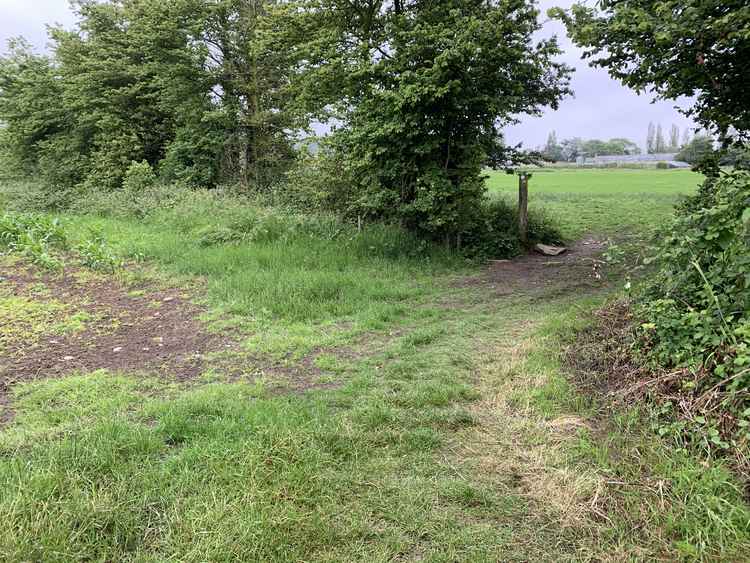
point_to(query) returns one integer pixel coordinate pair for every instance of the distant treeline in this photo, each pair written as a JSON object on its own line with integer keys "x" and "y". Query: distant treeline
{"x": 690, "y": 148}
{"x": 570, "y": 150}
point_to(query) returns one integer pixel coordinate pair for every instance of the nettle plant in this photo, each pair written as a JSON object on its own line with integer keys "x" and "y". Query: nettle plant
{"x": 34, "y": 237}
{"x": 696, "y": 310}
{"x": 44, "y": 242}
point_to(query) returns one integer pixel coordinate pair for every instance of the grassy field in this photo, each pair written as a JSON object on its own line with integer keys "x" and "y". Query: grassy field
{"x": 603, "y": 201}
{"x": 351, "y": 397}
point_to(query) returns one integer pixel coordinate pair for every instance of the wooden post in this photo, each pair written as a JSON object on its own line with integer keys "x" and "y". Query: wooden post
{"x": 523, "y": 206}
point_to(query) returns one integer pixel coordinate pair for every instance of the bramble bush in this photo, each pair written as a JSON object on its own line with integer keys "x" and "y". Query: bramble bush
{"x": 695, "y": 311}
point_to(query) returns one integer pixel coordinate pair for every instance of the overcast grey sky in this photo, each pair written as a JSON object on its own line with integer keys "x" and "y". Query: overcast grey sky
{"x": 601, "y": 108}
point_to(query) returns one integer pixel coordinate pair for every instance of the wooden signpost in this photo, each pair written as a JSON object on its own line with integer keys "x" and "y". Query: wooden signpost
{"x": 523, "y": 206}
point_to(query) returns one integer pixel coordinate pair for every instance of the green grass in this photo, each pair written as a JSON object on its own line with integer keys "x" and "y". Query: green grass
{"x": 608, "y": 202}
{"x": 451, "y": 433}
{"x": 25, "y": 320}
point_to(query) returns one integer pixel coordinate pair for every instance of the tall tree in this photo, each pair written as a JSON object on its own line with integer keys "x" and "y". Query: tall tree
{"x": 197, "y": 88}
{"x": 552, "y": 149}
{"x": 651, "y": 139}
{"x": 422, "y": 90}
{"x": 249, "y": 75}
{"x": 660, "y": 145}
{"x": 36, "y": 128}
{"x": 674, "y": 138}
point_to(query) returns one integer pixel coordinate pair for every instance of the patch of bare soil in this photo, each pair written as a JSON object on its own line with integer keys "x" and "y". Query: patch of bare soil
{"x": 154, "y": 330}
{"x": 600, "y": 357}
{"x": 579, "y": 268}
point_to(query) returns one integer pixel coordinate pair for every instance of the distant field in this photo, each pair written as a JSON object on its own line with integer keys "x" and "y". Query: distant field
{"x": 604, "y": 201}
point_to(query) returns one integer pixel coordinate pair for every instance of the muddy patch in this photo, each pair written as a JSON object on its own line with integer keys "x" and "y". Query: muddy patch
{"x": 581, "y": 267}
{"x": 151, "y": 330}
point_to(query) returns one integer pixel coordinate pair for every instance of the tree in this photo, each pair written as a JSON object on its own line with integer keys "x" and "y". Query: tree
{"x": 675, "y": 48}
{"x": 660, "y": 146}
{"x": 674, "y": 138}
{"x": 552, "y": 150}
{"x": 651, "y": 139}
{"x": 571, "y": 149}
{"x": 737, "y": 156}
{"x": 421, "y": 91}
{"x": 696, "y": 150}
{"x": 195, "y": 88}
{"x": 621, "y": 145}
{"x": 249, "y": 73}
{"x": 698, "y": 49}
{"x": 36, "y": 124}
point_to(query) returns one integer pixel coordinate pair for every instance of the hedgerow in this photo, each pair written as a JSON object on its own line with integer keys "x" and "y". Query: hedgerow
{"x": 695, "y": 311}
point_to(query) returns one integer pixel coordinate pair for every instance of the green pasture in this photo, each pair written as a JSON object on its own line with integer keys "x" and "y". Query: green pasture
{"x": 440, "y": 425}
{"x": 602, "y": 201}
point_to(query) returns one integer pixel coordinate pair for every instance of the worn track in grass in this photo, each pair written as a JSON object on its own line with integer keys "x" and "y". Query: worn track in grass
{"x": 156, "y": 330}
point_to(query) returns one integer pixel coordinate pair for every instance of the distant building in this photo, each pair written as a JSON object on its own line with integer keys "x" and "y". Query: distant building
{"x": 669, "y": 158}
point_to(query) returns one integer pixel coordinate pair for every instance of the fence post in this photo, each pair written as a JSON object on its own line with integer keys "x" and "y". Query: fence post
{"x": 523, "y": 206}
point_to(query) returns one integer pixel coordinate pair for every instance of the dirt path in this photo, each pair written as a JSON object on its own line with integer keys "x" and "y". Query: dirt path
{"x": 578, "y": 268}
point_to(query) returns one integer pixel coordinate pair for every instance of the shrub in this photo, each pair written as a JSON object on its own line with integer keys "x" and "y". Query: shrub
{"x": 661, "y": 165}
{"x": 321, "y": 182}
{"x": 495, "y": 233}
{"x": 129, "y": 202}
{"x": 27, "y": 196}
{"x": 138, "y": 177}
{"x": 695, "y": 312}
{"x": 700, "y": 147}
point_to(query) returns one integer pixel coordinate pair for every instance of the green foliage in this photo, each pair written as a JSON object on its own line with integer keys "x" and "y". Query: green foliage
{"x": 690, "y": 48}
{"x": 661, "y": 165}
{"x": 421, "y": 90}
{"x": 138, "y": 177}
{"x": 617, "y": 146}
{"x": 138, "y": 81}
{"x": 42, "y": 240}
{"x": 696, "y": 309}
{"x": 737, "y": 156}
{"x": 322, "y": 181}
{"x": 34, "y": 237}
{"x": 272, "y": 225}
{"x": 95, "y": 253}
{"x": 571, "y": 149}
{"x": 200, "y": 93}
{"x": 700, "y": 147}
{"x": 494, "y": 232}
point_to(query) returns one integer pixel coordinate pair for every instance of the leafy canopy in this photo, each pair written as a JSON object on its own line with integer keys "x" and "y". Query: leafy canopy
{"x": 421, "y": 91}
{"x": 676, "y": 48}
{"x": 195, "y": 88}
